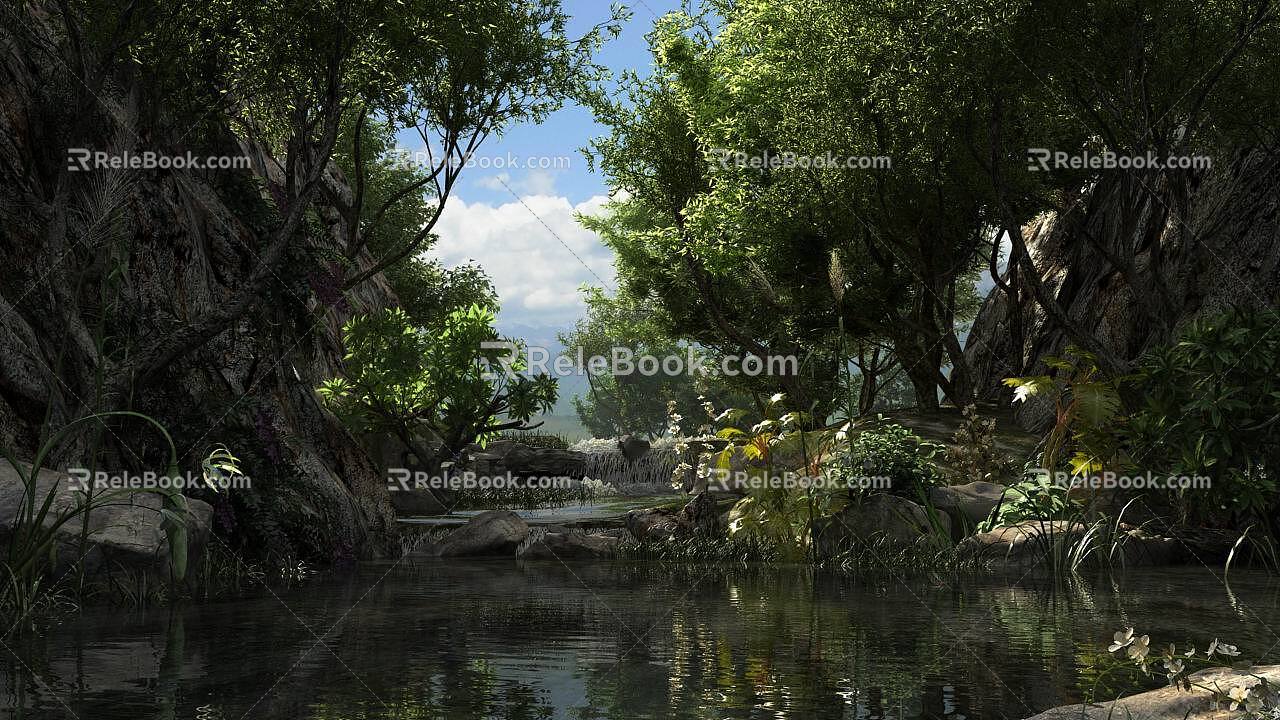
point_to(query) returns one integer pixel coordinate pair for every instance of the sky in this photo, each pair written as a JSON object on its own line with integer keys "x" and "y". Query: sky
{"x": 518, "y": 223}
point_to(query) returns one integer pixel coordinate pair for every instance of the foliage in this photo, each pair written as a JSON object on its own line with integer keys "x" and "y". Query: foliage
{"x": 1210, "y": 405}
{"x": 32, "y": 547}
{"x": 973, "y": 454}
{"x": 889, "y": 451}
{"x": 391, "y": 219}
{"x": 777, "y": 462}
{"x": 750, "y": 241}
{"x": 741, "y": 549}
{"x": 1035, "y": 497}
{"x": 454, "y": 383}
{"x": 795, "y": 476}
{"x": 533, "y": 495}
{"x": 535, "y": 439}
{"x": 1087, "y": 413}
{"x": 634, "y": 403}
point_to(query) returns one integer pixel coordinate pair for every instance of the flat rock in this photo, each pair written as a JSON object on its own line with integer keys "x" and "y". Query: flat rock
{"x": 571, "y": 545}
{"x": 657, "y": 524}
{"x": 126, "y": 533}
{"x": 967, "y": 505}
{"x": 1169, "y": 702}
{"x": 1025, "y": 544}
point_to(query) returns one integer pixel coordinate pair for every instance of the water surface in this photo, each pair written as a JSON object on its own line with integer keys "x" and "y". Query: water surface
{"x": 496, "y": 639}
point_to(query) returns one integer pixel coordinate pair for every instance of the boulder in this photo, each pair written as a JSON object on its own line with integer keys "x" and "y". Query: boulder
{"x": 125, "y": 533}
{"x": 967, "y": 505}
{"x": 632, "y": 448}
{"x": 496, "y": 532}
{"x": 657, "y": 524}
{"x": 1171, "y": 702}
{"x": 1025, "y": 544}
{"x": 565, "y": 546}
{"x": 1022, "y": 544}
{"x": 1226, "y": 227}
{"x": 896, "y": 519}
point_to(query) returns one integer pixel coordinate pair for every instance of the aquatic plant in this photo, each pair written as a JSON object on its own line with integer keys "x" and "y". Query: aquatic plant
{"x": 32, "y": 545}
{"x": 1260, "y": 698}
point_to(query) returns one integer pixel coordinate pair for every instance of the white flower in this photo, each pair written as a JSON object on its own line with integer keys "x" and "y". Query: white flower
{"x": 1221, "y": 648}
{"x": 1239, "y": 696}
{"x": 1139, "y": 648}
{"x": 777, "y": 398}
{"x": 1122, "y": 639}
{"x": 1174, "y": 667}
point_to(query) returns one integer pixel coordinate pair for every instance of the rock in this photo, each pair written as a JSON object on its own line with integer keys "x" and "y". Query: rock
{"x": 192, "y": 240}
{"x": 632, "y": 448}
{"x": 496, "y": 532}
{"x": 657, "y": 524}
{"x": 1025, "y": 544}
{"x": 700, "y": 514}
{"x": 1022, "y": 544}
{"x": 896, "y": 519}
{"x": 126, "y": 533}
{"x": 571, "y": 545}
{"x": 967, "y": 505}
{"x": 1228, "y": 231}
{"x": 1170, "y": 702}
{"x": 506, "y": 456}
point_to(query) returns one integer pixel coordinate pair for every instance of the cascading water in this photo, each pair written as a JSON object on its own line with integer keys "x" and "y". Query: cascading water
{"x": 606, "y": 463}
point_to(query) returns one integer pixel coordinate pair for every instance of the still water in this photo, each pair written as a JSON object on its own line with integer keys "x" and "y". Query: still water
{"x": 495, "y": 639}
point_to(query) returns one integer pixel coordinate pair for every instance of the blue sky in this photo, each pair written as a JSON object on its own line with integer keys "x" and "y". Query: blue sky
{"x": 518, "y": 223}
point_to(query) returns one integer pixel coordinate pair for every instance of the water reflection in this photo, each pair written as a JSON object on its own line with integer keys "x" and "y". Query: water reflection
{"x": 490, "y": 639}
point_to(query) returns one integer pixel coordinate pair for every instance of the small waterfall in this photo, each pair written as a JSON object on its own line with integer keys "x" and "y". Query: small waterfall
{"x": 606, "y": 463}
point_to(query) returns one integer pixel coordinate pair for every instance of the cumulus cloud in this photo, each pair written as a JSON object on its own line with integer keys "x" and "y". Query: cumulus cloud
{"x": 534, "y": 250}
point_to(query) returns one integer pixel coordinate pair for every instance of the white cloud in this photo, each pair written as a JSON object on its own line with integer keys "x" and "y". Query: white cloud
{"x": 535, "y": 182}
{"x": 534, "y": 250}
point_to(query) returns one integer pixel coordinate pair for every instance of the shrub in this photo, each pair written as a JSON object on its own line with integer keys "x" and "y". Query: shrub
{"x": 973, "y": 454}
{"x": 889, "y": 451}
{"x": 1210, "y": 405}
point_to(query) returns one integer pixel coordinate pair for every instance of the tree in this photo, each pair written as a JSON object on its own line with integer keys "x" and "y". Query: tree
{"x": 437, "y": 382}
{"x": 752, "y": 243}
{"x": 289, "y": 76}
{"x": 634, "y": 403}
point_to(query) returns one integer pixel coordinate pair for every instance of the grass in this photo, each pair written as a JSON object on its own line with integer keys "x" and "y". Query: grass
{"x": 702, "y": 549}
{"x": 580, "y": 493}
{"x": 544, "y": 440}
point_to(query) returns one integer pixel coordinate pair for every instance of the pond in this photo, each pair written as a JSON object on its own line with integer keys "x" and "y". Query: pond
{"x": 495, "y": 639}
